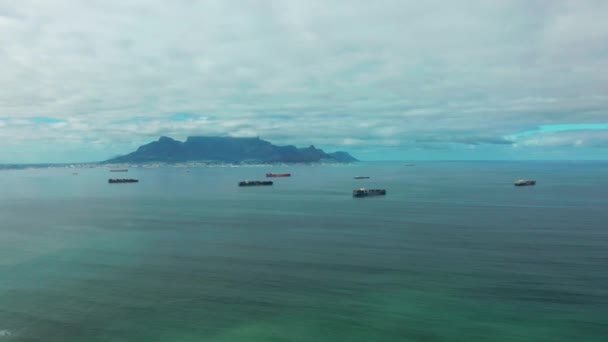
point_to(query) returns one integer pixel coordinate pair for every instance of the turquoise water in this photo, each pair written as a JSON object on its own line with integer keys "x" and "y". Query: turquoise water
{"x": 454, "y": 252}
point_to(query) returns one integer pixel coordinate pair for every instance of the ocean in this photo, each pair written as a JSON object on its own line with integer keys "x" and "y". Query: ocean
{"x": 453, "y": 252}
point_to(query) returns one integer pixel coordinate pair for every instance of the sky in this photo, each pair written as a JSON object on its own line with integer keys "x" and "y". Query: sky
{"x": 385, "y": 80}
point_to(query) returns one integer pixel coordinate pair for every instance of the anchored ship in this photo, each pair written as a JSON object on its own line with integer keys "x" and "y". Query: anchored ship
{"x": 122, "y": 180}
{"x": 363, "y": 192}
{"x": 278, "y": 175}
{"x": 524, "y": 182}
{"x": 254, "y": 183}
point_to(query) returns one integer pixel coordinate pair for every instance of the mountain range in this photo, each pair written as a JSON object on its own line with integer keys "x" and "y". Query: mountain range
{"x": 228, "y": 150}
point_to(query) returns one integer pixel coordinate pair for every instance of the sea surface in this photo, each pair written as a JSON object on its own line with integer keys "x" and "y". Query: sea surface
{"x": 453, "y": 252}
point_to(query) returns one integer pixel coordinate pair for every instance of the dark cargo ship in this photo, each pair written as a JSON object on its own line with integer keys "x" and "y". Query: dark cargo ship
{"x": 363, "y": 192}
{"x": 361, "y": 177}
{"x": 254, "y": 183}
{"x": 524, "y": 182}
{"x": 122, "y": 180}
{"x": 278, "y": 175}
{"x": 121, "y": 170}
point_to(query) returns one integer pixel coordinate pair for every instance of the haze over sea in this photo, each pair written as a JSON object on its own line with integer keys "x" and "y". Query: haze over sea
{"x": 454, "y": 252}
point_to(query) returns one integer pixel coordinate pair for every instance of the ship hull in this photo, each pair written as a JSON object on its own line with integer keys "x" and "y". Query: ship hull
{"x": 525, "y": 183}
{"x": 255, "y": 183}
{"x": 368, "y": 192}
{"x": 278, "y": 175}
{"x": 115, "y": 181}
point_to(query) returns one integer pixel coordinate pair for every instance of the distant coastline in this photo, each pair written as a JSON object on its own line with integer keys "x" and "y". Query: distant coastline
{"x": 149, "y": 165}
{"x": 205, "y": 151}
{"x": 21, "y": 166}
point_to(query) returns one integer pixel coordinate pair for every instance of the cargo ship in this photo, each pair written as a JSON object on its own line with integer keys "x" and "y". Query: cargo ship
{"x": 121, "y": 170}
{"x": 524, "y": 182}
{"x": 254, "y": 183}
{"x": 361, "y": 177}
{"x": 122, "y": 180}
{"x": 278, "y": 175}
{"x": 363, "y": 192}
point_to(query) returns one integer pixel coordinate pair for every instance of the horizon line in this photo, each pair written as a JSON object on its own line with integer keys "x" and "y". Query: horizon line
{"x": 355, "y": 162}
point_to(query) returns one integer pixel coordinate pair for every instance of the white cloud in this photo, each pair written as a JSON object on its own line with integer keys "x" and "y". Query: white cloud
{"x": 375, "y": 73}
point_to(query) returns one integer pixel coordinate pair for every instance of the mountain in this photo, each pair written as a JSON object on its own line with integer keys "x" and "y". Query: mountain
{"x": 228, "y": 150}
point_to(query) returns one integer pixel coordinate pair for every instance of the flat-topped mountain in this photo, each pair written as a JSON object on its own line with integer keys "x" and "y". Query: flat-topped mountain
{"x": 229, "y": 150}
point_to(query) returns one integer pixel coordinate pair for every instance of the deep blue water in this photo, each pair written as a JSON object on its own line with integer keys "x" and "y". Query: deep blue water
{"x": 454, "y": 252}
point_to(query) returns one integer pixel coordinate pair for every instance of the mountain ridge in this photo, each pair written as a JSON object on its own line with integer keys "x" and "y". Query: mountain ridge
{"x": 227, "y": 150}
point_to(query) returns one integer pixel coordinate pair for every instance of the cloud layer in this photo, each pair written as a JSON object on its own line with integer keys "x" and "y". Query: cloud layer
{"x": 94, "y": 79}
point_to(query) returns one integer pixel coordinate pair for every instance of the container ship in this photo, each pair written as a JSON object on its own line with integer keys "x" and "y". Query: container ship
{"x": 121, "y": 170}
{"x": 363, "y": 192}
{"x": 122, "y": 180}
{"x": 254, "y": 183}
{"x": 524, "y": 182}
{"x": 278, "y": 175}
{"x": 361, "y": 177}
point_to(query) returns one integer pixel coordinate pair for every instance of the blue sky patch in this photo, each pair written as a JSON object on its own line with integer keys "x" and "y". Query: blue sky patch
{"x": 563, "y": 128}
{"x": 184, "y": 116}
{"x": 280, "y": 116}
{"x": 46, "y": 120}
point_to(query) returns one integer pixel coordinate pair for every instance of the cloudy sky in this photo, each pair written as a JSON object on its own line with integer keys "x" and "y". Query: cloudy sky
{"x": 434, "y": 79}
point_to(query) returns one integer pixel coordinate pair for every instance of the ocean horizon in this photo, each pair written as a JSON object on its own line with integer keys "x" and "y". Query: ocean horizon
{"x": 453, "y": 252}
